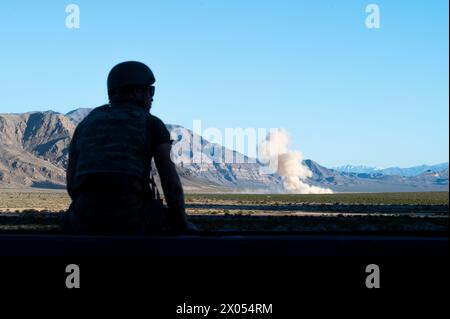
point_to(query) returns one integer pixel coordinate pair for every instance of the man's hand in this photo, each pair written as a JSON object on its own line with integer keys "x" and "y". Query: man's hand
{"x": 190, "y": 227}
{"x": 180, "y": 226}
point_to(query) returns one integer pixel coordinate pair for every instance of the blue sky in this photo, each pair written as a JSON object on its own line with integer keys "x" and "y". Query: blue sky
{"x": 347, "y": 94}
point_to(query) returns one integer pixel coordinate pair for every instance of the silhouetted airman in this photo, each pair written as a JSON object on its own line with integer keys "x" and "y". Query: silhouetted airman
{"x": 110, "y": 157}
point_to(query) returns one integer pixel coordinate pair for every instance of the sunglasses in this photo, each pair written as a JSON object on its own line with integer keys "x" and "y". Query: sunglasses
{"x": 152, "y": 90}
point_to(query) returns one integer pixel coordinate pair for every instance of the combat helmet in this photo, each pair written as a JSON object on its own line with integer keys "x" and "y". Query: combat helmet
{"x": 129, "y": 74}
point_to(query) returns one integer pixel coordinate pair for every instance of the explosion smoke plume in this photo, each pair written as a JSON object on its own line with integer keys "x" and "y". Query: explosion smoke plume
{"x": 289, "y": 164}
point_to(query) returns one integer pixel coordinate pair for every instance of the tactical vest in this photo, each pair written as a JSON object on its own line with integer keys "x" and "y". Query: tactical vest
{"x": 114, "y": 140}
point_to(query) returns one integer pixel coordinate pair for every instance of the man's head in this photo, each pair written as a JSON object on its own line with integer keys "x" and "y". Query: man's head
{"x": 131, "y": 82}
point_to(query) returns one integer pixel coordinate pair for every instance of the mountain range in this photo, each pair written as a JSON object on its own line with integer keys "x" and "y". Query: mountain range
{"x": 409, "y": 171}
{"x": 34, "y": 153}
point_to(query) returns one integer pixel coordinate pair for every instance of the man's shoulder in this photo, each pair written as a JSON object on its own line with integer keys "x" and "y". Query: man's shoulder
{"x": 95, "y": 111}
{"x": 157, "y": 122}
{"x": 102, "y": 108}
{"x": 159, "y": 129}
{"x": 90, "y": 117}
{"x": 155, "y": 118}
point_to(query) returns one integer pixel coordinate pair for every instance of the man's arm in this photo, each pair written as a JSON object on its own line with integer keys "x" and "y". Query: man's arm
{"x": 171, "y": 184}
{"x": 70, "y": 174}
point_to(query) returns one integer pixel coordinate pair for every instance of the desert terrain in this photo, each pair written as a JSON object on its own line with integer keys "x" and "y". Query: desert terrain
{"x": 37, "y": 210}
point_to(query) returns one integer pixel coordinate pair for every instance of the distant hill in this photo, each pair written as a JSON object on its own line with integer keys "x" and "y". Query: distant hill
{"x": 410, "y": 171}
{"x": 34, "y": 149}
{"x": 356, "y": 169}
{"x": 377, "y": 182}
{"x": 34, "y": 153}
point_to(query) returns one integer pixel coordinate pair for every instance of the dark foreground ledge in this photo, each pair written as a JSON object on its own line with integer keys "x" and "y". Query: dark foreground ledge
{"x": 225, "y": 245}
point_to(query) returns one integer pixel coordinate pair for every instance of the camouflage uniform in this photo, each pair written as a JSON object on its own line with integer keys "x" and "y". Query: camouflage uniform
{"x": 109, "y": 168}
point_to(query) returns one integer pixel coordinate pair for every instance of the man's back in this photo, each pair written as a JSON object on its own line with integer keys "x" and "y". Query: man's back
{"x": 109, "y": 168}
{"x": 114, "y": 139}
